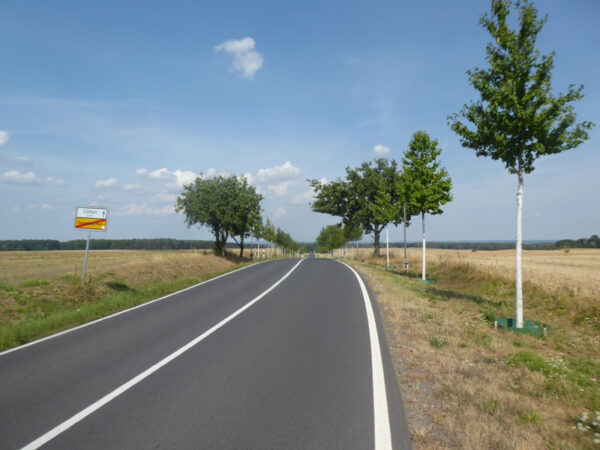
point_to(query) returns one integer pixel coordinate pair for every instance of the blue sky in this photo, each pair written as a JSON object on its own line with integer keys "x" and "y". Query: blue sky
{"x": 119, "y": 104}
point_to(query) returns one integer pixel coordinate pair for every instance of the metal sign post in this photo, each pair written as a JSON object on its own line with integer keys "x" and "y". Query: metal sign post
{"x": 90, "y": 218}
{"x": 87, "y": 247}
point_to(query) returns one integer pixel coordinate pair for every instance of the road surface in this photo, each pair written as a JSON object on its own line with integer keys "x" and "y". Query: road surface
{"x": 281, "y": 354}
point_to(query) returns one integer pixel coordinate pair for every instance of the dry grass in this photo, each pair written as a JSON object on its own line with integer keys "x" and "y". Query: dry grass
{"x": 577, "y": 269}
{"x": 466, "y": 385}
{"x": 41, "y": 292}
{"x": 137, "y": 266}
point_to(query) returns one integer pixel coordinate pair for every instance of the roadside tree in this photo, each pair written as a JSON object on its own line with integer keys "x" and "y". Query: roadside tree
{"x": 517, "y": 118}
{"x": 217, "y": 204}
{"x": 330, "y": 237}
{"x": 426, "y": 186}
{"x": 369, "y": 197}
{"x": 247, "y": 212}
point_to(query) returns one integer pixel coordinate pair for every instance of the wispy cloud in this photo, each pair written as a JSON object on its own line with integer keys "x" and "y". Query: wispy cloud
{"x": 178, "y": 178}
{"x": 380, "y": 150}
{"x": 3, "y": 137}
{"x": 16, "y": 177}
{"x": 47, "y": 207}
{"x": 281, "y": 211}
{"x": 164, "y": 198}
{"x": 134, "y": 209}
{"x": 56, "y": 181}
{"x": 132, "y": 187}
{"x": 285, "y": 171}
{"x": 307, "y": 196}
{"x": 101, "y": 184}
{"x": 280, "y": 189}
{"x": 245, "y": 59}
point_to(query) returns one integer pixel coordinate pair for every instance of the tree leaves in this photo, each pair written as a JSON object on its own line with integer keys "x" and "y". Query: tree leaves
{"x": 517, "y": 119}
{"x": 227, "y": 205}
{"x": 425, "y": 183}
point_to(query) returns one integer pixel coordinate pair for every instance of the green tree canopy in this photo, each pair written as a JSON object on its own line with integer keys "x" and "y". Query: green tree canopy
{"x": 226, "y": 205}
{"x": 352, "y": 232}
{"x": 330, "y": 237}
{"x": 247, "y": 216}
{"x": 425, "y": 184}
{"x": 517, "y": 118}
{"x": 369, "y": 197}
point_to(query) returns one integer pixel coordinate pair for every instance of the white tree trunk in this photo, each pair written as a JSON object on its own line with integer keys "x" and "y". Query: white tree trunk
{"x": 518, "y": 275}
{"x": 423, "y": 220}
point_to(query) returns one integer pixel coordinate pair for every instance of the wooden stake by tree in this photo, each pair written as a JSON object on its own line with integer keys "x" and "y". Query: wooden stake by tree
{"x": 517, "y": 119}
{"x": 425, "y": 185}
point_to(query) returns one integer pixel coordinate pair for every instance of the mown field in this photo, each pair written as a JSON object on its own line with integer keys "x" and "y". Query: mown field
{"x": 467, "y": 385}
{"x": 41, "y": 292}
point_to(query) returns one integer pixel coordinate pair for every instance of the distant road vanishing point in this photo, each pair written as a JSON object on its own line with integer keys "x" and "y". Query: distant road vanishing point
{"x": 282, "y": 354}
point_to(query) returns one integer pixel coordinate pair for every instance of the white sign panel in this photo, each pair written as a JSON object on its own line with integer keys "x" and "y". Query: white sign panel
{"x": 91, "y": 213}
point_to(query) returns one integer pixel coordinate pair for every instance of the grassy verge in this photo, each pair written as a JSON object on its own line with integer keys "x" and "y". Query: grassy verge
{"x": 467, "y": 385}
{"x": 32, "y": 308}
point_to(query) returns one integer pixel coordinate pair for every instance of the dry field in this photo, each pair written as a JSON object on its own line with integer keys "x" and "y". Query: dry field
{"x": 467, "y": 385}
{"x": 41, "y": 292}
{"x": 577, "y": 269}
{"x": 136, "y": 266}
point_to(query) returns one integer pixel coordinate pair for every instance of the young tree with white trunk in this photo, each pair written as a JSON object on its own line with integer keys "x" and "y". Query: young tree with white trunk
{"x": 425, "y": 184}
{"x": 517, "y": 119}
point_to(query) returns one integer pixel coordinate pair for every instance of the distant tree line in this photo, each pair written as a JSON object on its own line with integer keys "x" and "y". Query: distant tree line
{"x": 104, "y": 244}
{"x": 282, "y": 239}
{"x": 592, "y": 242}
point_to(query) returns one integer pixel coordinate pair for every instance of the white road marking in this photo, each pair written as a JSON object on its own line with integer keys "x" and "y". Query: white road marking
{"x": 383, "y": 436}
{"x": 121, "y": 389}
{"x": 121, "y": 312}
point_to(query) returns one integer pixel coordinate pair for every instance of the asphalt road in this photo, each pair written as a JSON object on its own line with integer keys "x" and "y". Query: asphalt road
{"x": 277, "y": 355}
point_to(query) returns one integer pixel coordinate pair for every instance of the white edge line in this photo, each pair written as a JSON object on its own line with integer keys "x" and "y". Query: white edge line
{"x": 60, "y": 333}
{"x": 124, "y": 387}
{"x": 383, "y": 436}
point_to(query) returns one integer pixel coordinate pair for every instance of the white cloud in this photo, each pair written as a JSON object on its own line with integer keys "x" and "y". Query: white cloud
{"x": 3, "y": 137}
{"x": 132, "y": 187}
{"x": 16, "y": 177}
{"x": 164, "y": 198}
{"x": 21, "y": 159}
{"x": 281, "y": 189}
{"x": 280, "y": 212}
{"x": 159, "y": 174}
{"x": 46, "y": 207}
{"x": 133, "y": 209}
{"x": 15, "y": 208}
{"x": 178, "y": 178}
{"x": 100, "y": 184}
{"x": 245, "y": 59}
{"x": 304, "y": 198}
{"x": 183, "y": 177}
{"x": 380, "y": 150}
{"x": 57, "y": 182}
{"x": 210, "y": 173}
{"x": 285, "y": 171}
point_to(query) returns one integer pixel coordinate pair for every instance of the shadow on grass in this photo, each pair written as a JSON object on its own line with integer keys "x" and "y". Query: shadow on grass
{"x": 448, "y": 294}
{"x": 119, "y": 286}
